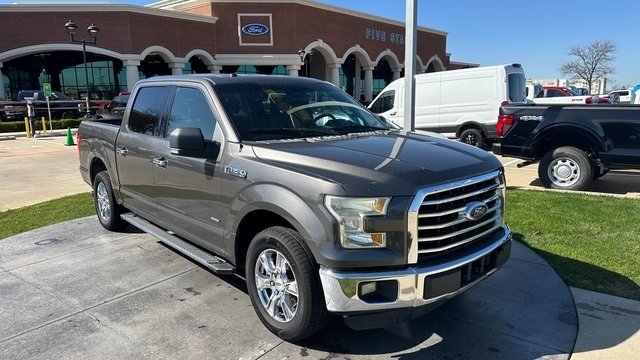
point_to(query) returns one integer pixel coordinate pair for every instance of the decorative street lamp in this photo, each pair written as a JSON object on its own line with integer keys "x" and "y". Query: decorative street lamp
{"x": 93, "y": 32}
{"x": 303, "y": 54}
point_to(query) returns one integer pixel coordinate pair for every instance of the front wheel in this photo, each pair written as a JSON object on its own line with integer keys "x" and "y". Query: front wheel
{"x": 107, "y": 208}
{"x": 565, "y": 168}
{"x": 284, "y": 285}
{"x": 472, "y": 136}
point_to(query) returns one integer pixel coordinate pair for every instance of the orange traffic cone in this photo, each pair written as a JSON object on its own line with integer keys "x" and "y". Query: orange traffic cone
{"x": 69, "y": 138}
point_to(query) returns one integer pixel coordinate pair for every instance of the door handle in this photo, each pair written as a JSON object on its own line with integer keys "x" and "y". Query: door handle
{"x": 393, "y": 114}
{"x": 121, "y": 150}
{"x": 160, "y": 162}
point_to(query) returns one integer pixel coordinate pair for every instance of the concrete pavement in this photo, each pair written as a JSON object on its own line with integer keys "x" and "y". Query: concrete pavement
{"x": 37, "y": 170}
{"x": 74, "y": 290}
{"x": 32, "y": 171}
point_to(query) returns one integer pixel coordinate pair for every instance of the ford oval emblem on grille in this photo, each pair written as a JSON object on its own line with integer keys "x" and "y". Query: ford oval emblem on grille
{"x": 475, "y": 210}
{"x": 255, "y": 29}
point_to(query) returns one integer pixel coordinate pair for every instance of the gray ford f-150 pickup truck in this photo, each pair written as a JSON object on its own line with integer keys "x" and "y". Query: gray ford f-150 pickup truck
{"x": 292, "y": 184}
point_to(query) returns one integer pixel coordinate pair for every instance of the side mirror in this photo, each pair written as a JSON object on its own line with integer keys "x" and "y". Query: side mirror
{"x": 190, "y": 142}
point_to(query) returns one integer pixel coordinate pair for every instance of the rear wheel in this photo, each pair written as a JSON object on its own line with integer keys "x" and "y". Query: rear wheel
{"x": 107, "y": 209}
{"x": 284, "y": 285}
{"x": 566, "y": 168}
{"x": 472, "y": 136}
{"x": 69, "y": 115}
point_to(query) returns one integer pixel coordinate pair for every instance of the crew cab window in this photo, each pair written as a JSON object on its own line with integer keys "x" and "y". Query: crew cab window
{"x": 384, "y": 102}
{"x": 555, "y": 93}
{"x": 147, "y": 109}
{"x": 190, "y": 109}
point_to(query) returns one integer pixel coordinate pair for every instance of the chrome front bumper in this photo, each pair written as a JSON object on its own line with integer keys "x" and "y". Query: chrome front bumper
{"x": 341, "y": 288}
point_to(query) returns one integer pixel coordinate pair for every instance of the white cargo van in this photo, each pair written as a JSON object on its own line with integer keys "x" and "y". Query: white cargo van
{"x": 457, "y": 103}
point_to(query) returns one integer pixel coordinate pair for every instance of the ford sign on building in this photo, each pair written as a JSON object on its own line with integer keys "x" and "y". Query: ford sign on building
{"x": 255, "y": 29}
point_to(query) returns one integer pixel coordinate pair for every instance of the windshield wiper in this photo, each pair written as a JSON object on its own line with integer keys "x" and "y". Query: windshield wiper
{"x": 356, "y": 127}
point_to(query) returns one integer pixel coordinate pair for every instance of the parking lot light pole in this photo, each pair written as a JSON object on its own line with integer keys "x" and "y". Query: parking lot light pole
{"x": 93, "y": 32}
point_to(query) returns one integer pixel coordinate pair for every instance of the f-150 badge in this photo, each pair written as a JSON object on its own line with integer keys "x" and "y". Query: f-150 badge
{"x": 235, "y": 172}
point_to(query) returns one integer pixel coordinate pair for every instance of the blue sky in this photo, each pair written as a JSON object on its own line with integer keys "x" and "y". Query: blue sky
{"x": 537, "y": 34}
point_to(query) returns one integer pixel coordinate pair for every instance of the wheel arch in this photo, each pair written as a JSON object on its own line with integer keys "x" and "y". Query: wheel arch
{"x": 267, "y": 205}
{"x": 470, "y": 125}
{"x": 99, "y": 161}
{"x": 558, "y": 136}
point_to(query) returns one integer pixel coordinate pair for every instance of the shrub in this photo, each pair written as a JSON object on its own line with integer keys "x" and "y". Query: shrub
{"x": 18, "y": 126}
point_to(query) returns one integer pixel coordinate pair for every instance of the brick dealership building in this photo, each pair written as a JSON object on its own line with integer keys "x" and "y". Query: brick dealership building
{"x": 360, "y": 53}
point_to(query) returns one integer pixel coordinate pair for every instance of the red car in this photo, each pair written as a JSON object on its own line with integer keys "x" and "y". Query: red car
{"x": 557, "y": 91}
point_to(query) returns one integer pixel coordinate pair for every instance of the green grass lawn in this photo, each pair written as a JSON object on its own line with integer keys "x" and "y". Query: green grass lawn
{"x": 31, "y": 217}
{"x": 593, "y": 242}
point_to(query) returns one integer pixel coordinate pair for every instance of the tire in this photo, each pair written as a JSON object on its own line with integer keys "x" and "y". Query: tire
{"x": 473, "y": 137}
{"x": 565, "y": 168}
{"x": 107, "y": 208}
{"x": 303, "y": 312}
{"x": 69, "y": 115}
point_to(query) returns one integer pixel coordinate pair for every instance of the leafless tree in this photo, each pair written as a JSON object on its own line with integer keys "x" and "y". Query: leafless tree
{"x": 594, "y": 61}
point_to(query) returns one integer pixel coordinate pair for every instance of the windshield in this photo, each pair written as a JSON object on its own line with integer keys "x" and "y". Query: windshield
{"x": 55, "y": 95}
{"x": 570, "y": 91}
{"x": 273, "y": 111}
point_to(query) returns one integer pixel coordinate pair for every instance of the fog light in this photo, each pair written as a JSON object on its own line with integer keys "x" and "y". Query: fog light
{"x": 367, "y": 288}
{"x": 375, "y": 292}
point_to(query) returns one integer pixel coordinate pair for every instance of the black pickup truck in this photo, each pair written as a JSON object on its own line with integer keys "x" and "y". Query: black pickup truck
{"x": 292, "y": 184}
{"x": 573, "y": 143}
{"x": 60, "y": 105}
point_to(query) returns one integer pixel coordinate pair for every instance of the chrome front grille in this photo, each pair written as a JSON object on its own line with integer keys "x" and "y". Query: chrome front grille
{"x": 448, "y": 216}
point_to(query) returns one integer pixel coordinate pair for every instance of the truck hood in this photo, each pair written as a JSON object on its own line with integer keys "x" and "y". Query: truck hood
{"x": 394, "y": 163}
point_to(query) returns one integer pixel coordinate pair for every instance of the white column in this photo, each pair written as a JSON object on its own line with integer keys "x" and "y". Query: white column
{"x": 396, "y": 75}
{"x": 132, "y": 72}
{"x": 176, "y": 68}
{"x": 293, "y": 69}
{"x": 334, "y": 70}
{"x": 356, "y": 76}
{"x": 1, "y": 83}
{"x": 215, "y": 69}
{"x": 368, "y": 84}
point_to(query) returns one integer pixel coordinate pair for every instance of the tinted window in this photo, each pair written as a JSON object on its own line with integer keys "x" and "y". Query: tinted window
{"x": 120, "y": 101}
{"x": 384, "y": 102}
{"x": 555, "y": 93}
{"x": 517, "y": 88}
{"x": 275, "y": 109}
{"x": 147, "y": 110}
{"x": 190, "y": 109}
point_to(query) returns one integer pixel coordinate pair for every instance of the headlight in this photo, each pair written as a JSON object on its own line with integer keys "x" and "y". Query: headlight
{"x": 350, "y": 213}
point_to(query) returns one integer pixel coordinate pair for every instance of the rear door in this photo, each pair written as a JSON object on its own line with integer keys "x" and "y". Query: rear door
{"x": 136, "y": 146}
{"x": 188, "y": 189}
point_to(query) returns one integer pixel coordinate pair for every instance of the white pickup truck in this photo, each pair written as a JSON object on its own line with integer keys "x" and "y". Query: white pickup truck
{"x": 549, "y": 95}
